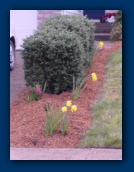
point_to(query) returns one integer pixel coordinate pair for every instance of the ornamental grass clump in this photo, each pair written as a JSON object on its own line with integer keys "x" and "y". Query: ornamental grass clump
{"x": 61, "y": 48}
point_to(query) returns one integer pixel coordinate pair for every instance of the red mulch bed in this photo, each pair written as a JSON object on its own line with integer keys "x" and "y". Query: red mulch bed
{"x": 27, "y": 120}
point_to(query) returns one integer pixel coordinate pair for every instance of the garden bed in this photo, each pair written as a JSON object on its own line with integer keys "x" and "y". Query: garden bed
{"x": 27, "y": 119}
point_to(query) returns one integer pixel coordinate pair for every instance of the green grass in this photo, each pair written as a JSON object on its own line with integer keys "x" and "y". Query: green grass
{"x": 106, "y": 130}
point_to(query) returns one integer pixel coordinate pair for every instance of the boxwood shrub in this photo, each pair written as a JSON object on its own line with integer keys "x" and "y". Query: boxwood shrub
{"x": 78, "y": 24}
{"x": 61, "y": 48}
{"x": 116, "y": 33}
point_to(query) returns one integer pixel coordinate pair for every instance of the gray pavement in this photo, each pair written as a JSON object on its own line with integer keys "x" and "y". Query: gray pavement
{"x": 65, "y": 154}
{"x": 17, "y": 81}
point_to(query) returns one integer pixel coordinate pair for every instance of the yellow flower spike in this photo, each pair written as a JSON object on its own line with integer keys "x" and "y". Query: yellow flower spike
{"x": 94, "y": 77}
{"x": 69, "y": 103}
{"x": 74, "y": 108}
{"x": 101, "y": 44}
{"x": 64, "y": 109}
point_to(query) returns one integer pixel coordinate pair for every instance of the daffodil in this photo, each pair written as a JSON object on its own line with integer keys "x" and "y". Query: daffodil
{"x": 69, "y": 103}
{"x": 101, "y": 44}
{"x": 94, "y": 77}
{"x": 74, "y": 108}
{"x": 64, "y": 109}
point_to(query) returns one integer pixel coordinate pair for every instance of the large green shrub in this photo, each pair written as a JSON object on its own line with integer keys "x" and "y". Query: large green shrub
{"x": 61, "y": 48}
{"x": 116, "y": 33}
{"x": 79, "y": 25}
{"x": 118, "y": 18}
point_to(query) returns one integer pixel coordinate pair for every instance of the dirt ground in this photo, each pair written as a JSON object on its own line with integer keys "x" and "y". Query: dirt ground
{"x": 27, "y": 120}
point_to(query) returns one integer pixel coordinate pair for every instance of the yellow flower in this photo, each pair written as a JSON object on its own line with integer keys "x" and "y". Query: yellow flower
{"x": 64, "y": 109}
{"x": 101, "y": 44}
{"x": 74, "y": 108}
{"x": 94, "y": 77}
{"x": 69, "y": 103}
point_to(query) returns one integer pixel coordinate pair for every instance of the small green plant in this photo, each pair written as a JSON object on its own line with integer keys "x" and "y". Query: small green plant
{"x": 36, "y": 92}
{"x": 52, "y": 121}
{"x": 64, "y": 125}
{"x": 62, "y": 118}
{"x": 78, "y": 86}
{"x": 66, "y": 117}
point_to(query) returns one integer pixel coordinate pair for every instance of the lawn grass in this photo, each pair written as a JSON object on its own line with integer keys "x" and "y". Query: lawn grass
{"x": 106, "y": 130}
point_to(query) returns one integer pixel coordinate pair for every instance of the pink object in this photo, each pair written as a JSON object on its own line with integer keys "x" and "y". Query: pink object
{"x": 38, "y": 90}
{"x": 103, "y": 48}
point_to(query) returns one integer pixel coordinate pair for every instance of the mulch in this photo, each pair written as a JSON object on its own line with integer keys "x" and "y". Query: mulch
{"x": 27, "y": 120}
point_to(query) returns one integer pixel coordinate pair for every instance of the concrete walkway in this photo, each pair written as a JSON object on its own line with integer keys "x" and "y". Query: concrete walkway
{"x": 64, "y": 154}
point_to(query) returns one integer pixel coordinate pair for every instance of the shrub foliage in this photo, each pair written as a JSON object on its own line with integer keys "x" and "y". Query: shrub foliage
{"x": 61, "y": 48}
{"x": 116, "y": 33}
